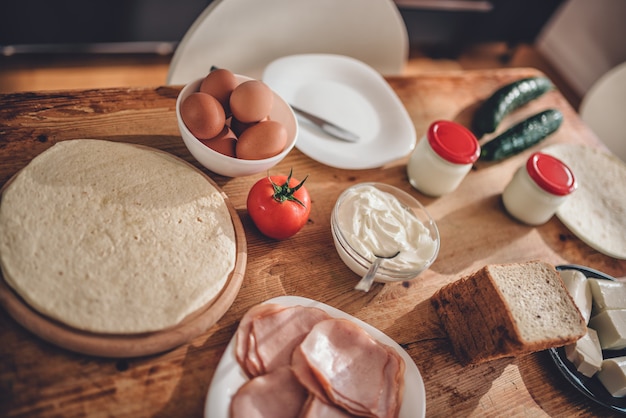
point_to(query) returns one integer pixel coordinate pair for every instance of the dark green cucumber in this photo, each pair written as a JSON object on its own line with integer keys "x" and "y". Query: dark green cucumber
{"x": 505, "y": 100}
{"x": 522, "y": 136}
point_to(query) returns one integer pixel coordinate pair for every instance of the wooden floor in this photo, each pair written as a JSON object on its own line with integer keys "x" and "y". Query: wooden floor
{"x": 52, "y": 72}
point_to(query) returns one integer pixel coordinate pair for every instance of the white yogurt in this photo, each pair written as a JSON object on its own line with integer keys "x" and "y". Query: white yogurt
{"x": 375, "y": 222}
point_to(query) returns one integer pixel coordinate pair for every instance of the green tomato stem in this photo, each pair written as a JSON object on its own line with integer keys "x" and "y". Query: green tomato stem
{"x": 284, "y": 193}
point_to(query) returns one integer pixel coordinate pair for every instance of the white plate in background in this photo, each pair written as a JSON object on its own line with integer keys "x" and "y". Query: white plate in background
{"x": 350, "y": 94}
{"x": 244, "y": 36}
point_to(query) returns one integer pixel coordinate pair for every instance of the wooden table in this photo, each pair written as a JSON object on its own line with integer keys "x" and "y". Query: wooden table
{"x": 40, "y": 379}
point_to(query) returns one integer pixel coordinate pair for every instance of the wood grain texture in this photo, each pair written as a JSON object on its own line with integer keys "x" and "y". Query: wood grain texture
{"x": 40, "y": 379}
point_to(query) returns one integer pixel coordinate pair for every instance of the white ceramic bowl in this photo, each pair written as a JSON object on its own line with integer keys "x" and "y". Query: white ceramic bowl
{"x": 358, "y": 263}
{"x": 235, "y": 167}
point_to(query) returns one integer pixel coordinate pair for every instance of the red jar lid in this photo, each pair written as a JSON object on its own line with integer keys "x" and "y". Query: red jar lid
{"x": 453, "y": 142}
{"x": 551, "y": 174}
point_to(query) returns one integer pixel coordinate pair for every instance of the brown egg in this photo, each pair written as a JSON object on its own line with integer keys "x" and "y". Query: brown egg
{"x": 251, "y": 101}
{"x": 220, "y": 83}
{"x": 203, "y": 115}
{"x": 262, "y": 140}
{"x": 238, "y": 127}
{"x": 224, "y": 143}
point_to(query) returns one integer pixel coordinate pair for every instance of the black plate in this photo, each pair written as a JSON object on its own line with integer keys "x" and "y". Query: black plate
{"x": 591, "y": 387}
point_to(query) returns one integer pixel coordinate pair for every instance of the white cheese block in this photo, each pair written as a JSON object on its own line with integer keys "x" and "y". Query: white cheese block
{"x": 577, "y": 285}
{"x": 607, "y": 294}
{"x": 586, "y": 353}
{"x": 613, "y": 376}
{"x": 611, "y": 328}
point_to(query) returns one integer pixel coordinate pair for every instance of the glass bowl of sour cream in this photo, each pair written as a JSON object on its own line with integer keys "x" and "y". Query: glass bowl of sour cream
{"x": 377, "y": 219}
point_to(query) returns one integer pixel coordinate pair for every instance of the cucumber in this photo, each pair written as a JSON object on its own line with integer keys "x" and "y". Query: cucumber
{"x": 522, "y": 136}
{"x": 505, "y": 100}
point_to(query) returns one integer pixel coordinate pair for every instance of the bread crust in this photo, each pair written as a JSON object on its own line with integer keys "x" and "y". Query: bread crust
{"x": 480, "y": 323}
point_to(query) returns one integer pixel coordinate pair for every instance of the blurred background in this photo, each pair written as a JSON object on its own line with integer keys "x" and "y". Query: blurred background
{"x": 59, "y": 44}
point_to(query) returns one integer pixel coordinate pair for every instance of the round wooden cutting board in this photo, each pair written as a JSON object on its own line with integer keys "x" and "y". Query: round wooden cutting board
{"x": 134, "y": 345}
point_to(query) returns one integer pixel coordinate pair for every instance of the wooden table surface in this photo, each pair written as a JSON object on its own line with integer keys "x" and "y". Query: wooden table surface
{"x": 40, "y": 379}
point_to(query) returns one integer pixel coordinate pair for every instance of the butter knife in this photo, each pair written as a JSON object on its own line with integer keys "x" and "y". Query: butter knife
{"x": 326, "y": 126}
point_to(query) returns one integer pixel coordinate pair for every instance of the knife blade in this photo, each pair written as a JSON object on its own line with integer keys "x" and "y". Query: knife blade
{"x": 326, "y": 126}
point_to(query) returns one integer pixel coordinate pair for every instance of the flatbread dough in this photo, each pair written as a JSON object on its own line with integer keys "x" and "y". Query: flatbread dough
{"x": 114, "y": 238}
{"x": 596, "y": 212}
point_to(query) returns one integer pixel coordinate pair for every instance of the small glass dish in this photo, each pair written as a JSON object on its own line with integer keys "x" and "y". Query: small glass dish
{"x": 360, "y": 263}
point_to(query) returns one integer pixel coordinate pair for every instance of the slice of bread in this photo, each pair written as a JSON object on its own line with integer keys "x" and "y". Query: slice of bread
{"x": 504, "y": 310}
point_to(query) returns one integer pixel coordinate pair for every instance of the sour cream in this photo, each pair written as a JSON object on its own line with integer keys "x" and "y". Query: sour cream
{"x": 374, "y": 222}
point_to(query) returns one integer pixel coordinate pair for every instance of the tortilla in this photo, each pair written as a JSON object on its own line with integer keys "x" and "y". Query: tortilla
{"x": 114, "y": 238}
{"x": 596, "y": 212}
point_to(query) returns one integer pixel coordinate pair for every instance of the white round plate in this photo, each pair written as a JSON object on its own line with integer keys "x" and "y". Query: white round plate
{"x": 350, "y": 94}
{"x": 602, "y": 108}
{"x": 229, "y": 376}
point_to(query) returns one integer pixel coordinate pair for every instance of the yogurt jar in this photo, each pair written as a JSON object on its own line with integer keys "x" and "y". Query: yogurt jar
{"x": 442, "y": 158}
{"x": 538, "y": 188}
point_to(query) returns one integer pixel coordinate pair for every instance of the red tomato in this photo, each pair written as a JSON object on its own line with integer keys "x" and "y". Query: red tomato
{"x": 279, "y": 205}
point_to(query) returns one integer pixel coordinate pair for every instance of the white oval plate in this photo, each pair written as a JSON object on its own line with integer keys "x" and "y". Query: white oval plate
{"x": 351, "y": 94}
{"x": 229, "y": 376}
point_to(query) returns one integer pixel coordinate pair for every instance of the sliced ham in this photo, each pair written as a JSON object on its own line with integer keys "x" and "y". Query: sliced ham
{"x": 251, "y": 360}
{"x": 356, "y": 371}
{"x": 278, "y": 333}
{"x": 305, "y": 376}
{"x": 394, "y": 374}
{"x": 316, "y": 408}
{"x": 274, "y": 395}
{"x": 244, "y": 340}
{"x": 305, "y": 364}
